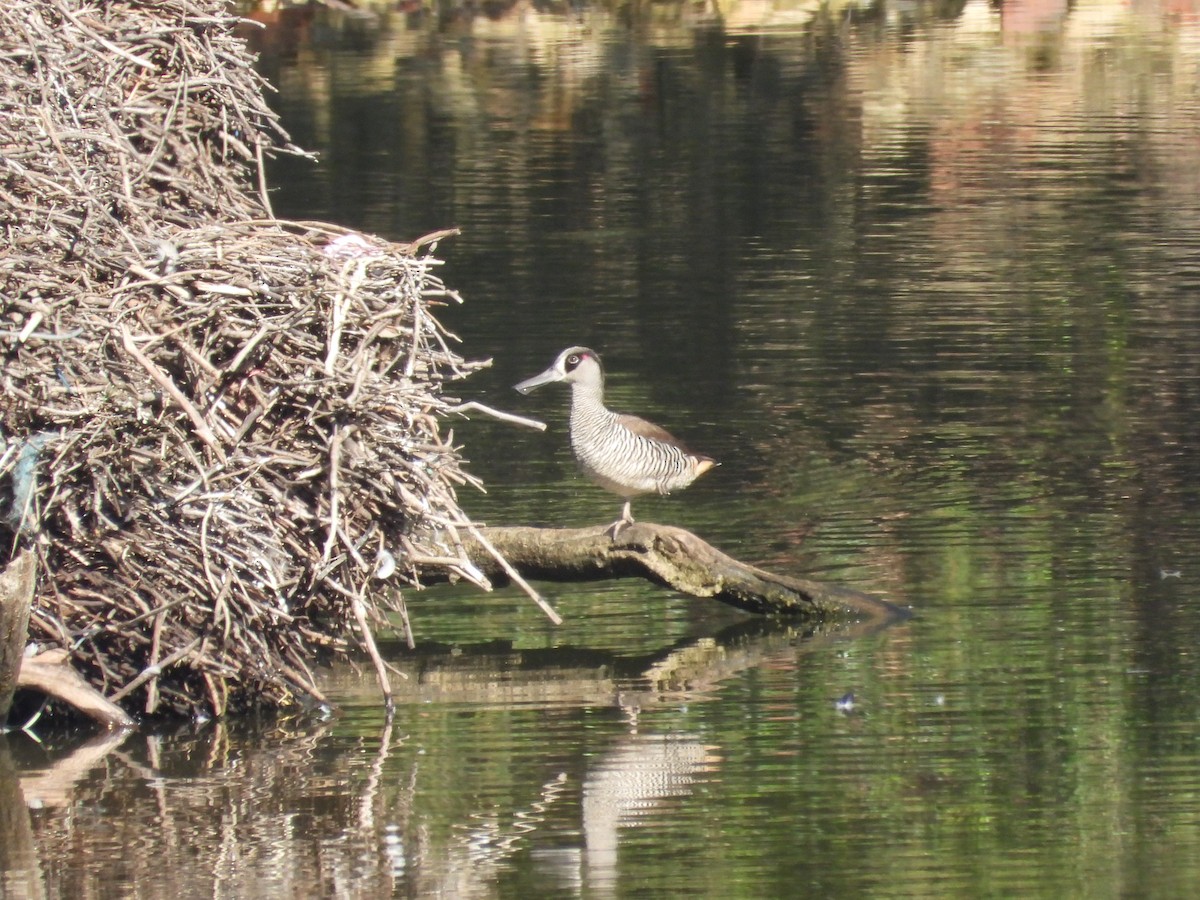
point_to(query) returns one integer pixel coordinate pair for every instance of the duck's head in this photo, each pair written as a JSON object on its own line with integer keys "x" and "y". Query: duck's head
{"x": 575, "y": 365}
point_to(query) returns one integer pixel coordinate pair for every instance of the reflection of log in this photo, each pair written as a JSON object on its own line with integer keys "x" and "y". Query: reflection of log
{"x": 55, "y": 783}
{"x": 19, "y": 872}
{"x": 16, "y": 596}
{"x": 51, "y": 673}
{"x": 671, "y": 557}
{"x": 701, "y": 665}
{"x": 498, "y": 673}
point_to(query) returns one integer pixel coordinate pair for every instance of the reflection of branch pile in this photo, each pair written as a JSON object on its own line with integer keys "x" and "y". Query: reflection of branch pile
{"x": 212, "y": 424}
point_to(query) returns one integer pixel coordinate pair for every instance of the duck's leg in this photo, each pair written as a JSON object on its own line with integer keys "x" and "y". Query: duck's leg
{"x": 626, "y": 519}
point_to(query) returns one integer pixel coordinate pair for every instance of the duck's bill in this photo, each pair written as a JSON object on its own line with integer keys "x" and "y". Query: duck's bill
{"x": 538, "y": 380}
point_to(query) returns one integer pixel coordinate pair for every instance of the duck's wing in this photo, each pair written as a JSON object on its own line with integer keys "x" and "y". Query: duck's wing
{"x": 642, "y": 428}
{"x": 654, "y": 432}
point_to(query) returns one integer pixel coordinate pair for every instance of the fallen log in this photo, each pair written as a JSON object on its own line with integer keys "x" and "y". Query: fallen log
{"x": 671, "y": 557}
{"x": 51, "y": 674}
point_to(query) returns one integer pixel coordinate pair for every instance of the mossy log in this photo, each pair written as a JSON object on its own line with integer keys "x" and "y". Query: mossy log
{"x": 674, "y": 558}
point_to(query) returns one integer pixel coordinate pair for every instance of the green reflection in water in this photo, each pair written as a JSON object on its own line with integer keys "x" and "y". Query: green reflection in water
{"x": 925, "y": 283}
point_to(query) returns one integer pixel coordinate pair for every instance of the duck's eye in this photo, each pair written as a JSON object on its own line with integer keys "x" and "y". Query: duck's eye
{"x": 573, "y": 359}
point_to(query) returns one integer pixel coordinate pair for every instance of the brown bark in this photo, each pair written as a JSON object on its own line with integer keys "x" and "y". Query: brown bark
{"x": 16, "y": 596}
{"x": 674, "y": 558}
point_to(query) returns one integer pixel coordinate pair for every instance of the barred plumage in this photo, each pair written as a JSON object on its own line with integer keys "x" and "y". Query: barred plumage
{"x": 621, "y": 453}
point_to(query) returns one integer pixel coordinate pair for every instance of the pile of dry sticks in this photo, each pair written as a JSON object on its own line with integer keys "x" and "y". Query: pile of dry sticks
{"x": 220, "y": 431}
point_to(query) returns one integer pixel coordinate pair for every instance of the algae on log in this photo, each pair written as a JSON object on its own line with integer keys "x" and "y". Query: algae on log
{"x": 671, "y": 557}
{"x": 17, "y": 582}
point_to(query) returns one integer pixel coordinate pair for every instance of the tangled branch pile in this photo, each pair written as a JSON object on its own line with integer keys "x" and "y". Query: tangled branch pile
{"x": 215, "y": 427}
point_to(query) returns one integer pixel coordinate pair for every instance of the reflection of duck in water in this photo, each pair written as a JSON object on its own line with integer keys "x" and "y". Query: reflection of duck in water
{"x": 629, "y": 782}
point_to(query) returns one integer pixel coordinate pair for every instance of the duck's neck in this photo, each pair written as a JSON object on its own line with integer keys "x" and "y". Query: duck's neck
{"x": 587, "y": 399}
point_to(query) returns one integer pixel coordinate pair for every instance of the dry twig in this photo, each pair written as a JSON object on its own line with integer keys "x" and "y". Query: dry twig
{"x": 209, "y": 412}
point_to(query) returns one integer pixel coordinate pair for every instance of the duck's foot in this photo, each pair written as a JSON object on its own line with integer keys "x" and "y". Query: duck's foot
{"x": 618, "y": 526}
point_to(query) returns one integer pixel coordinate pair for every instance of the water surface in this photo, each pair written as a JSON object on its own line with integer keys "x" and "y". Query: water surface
{"x": 924, "y": 277}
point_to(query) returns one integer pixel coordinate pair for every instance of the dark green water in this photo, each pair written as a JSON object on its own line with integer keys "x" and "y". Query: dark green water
{"x": 926, "y": 279}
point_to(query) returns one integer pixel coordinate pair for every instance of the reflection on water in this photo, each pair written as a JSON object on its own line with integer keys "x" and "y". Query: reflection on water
{"x": 630, "y": 782}
{"x": 358, "y": 809}
{"x": 924, "y": 278}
